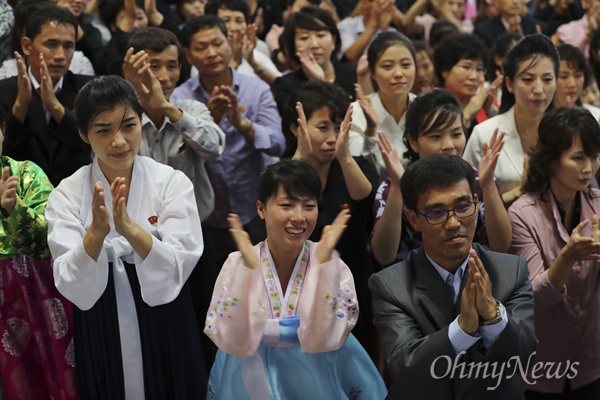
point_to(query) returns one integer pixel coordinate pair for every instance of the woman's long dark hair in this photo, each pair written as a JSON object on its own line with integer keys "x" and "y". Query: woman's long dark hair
{"x": 557, "y": 132}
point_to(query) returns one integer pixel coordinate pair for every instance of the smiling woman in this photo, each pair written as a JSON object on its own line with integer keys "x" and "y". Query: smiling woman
{"x": 125, "y": 235}
{"x": 288, "y": 301}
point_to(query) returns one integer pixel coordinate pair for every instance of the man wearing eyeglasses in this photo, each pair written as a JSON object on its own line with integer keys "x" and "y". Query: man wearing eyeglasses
{"x": 455, "y": 319}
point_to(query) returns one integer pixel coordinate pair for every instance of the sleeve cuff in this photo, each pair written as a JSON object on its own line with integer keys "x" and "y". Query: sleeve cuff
{"x": 460, "y": 340}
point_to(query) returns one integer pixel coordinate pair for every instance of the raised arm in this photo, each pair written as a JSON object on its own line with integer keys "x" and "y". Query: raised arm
{"x": 387, "y": 232}
{"x": 497, "y": 223}
{"x": 357, "y": 183}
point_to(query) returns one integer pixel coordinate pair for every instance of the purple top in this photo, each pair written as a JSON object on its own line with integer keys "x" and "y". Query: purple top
{"x": 234, "y": 174}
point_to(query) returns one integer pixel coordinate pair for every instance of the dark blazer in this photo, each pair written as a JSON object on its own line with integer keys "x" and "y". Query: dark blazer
{"x": 490, "y": 29}
{"x": 413, "y": 310}
{"x": 56, "y": 148}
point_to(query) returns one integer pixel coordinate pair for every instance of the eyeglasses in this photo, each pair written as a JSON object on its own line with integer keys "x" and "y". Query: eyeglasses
{"x": 440, "y": 216}
{"x": 467, "y": 69}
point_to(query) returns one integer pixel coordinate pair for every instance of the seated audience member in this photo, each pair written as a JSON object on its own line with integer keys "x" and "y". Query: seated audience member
{"x": 572, "y": 79}
{"x": 440, "y": 30}
{"x": 447, "y": 10}
{"x": 452, "y": 309}
{"x": 36, "y": 360}
{"x": 358, "y": 31}
{"x": 460, "y": 63}
{"x": 125, "y": 235}
{"x": 590, "y": 94}
{"x": 311, "y": 40}
{"x": 370, "y": 18}
{"x": 123, "y": 17}
{"x": 509, "y": 19}
{"x": 37, "y": 104}
{"x": 502, "y": 45}
{"x": 246, "y": 58}
{"x": 293, "y": 6}
{"x": 186, "y": 10}
{"x": 425, "y": 73}
{"x": 80, "y": 64}
{"x": 317, "y": 132}
{"x": 293, "y": 279}
{"x": 530, "y": 71}
{"x": 555, "y": 227}
{"x": 89, "y": 38}
{"x": 579, "y": 33}
{"x": 557, "y": 13}
{"x": 434, "y": 125}
{"x": 179, "y": 133}
{"x": 593, "y": 54}
{"x": 245, "y": 110}
{"x": 392, "y": 64}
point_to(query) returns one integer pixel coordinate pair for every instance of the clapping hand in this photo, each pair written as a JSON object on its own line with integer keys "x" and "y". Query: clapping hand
{"x": 367, "y": 106}
{"x": 304, "y": 147}
{"x": 310, "y": 67}
{"x": 392, "y": 162}
{"x": 489, "y": 157}
{"x": 331, "y": 236}
{"x": 342, "y": 145}
{"x": 242, "y": 241}
{"x": 8, "y": 190}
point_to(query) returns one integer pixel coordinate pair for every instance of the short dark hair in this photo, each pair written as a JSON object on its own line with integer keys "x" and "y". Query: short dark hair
{"x": 102, "y": 94}
{"x": 298, "y": 178}
{"x": 109, "y": 10}
{"x": 439, "y": 30}
{"x": 502, "y": 45}
{"x": 22, "y": 10}
{"x": 311, "y": 18}
{"x": 155, "y": 40}
{"x": 556, "y": 134}
{"x": 313, "y": 95}
{"x": 532, "y": 48}
{"x": 42, "y": 16}
{"x": 574, "y": 58}
{"x": 313, "y": 2}
{"x": 213, "y": 7}
{"x": 202, "y": 23}
{"x": 431, "y": 111}
{"x": 458, "y": 47}
{"x": 436, "y": 171}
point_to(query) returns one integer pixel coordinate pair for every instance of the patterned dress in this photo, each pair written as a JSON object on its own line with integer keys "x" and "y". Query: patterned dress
{"x": 292, "y": 345}
{"x": 36, "y": 352}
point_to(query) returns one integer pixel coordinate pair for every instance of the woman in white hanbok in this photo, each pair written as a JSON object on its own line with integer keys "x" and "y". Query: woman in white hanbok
{"x": 282, "y": 310}
{"x": 125, "y": 235}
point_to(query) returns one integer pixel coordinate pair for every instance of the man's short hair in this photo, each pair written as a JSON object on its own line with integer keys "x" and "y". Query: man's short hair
{"x": 39, "y": 18}
{"x": 436, "y": 171}
{"x": 213, "y": 7}
{"x": 155, "y": 40}
{"x": 198, "y": 24}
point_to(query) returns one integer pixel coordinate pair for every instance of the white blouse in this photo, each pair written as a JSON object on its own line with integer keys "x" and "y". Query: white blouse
{"x": 361, "y": 145}
{"x": 161, "y": 200}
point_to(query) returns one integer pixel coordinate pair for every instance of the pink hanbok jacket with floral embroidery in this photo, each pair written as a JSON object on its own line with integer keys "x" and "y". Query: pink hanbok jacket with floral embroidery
{"x": 247, "y": 305}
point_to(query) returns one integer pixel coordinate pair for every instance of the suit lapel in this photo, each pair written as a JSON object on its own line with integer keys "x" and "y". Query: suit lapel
{"x": 432, "y": 293}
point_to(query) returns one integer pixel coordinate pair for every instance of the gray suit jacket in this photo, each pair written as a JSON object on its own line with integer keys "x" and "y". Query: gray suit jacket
{"x": 413, "y": 310}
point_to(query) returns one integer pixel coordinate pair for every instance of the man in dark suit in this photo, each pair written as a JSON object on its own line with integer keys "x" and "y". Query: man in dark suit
{"x": 509, "y": 19}
{"x": 455, "y": 319}
{"x": 37, "y": 104}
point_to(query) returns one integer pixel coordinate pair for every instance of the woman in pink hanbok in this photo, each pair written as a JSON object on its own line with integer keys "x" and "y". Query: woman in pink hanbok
{"x": 282, "y": 310}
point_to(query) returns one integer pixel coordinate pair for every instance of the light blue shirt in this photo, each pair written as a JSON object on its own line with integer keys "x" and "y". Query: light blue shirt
{"x": 461, "y": 340}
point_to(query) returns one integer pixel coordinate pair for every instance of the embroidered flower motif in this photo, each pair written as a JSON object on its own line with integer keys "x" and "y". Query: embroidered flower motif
{"x": 153, "y": 220}
{"x": 354, "y": 393}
